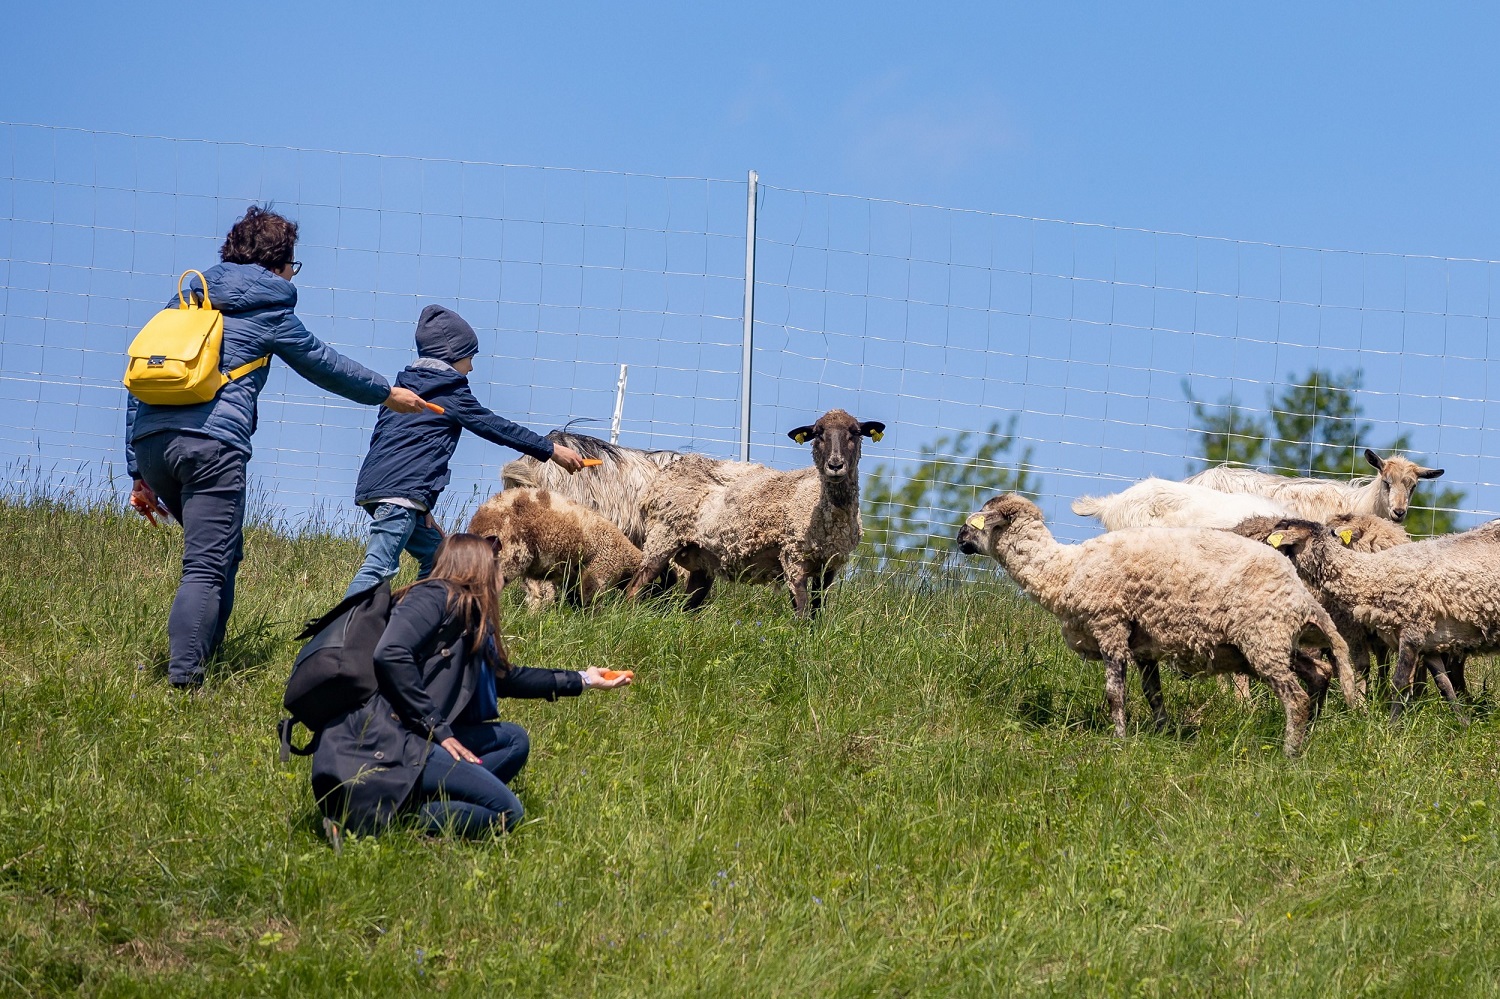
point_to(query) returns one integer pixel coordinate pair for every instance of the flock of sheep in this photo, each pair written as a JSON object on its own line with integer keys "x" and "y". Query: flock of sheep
{"x": 1232, "y": 571}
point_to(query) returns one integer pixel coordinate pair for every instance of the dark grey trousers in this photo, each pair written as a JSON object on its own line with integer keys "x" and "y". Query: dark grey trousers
{"x": 202, "y": 481}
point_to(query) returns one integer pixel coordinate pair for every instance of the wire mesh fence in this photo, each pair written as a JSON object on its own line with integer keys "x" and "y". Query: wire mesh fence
{"x": 1086, "y": 344}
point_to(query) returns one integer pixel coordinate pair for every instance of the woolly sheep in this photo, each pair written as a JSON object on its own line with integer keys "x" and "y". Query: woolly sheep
{"x": 744, "y": 521}
{"x": 1164, "y": 503}
{"x": 549, "y": 538}
{"x": 1425, "y": 599}
{"x": 616, "y": 488}
{"x": 1359, "y": 532}
{"x": 1386, "y": 495}
{"x": 1208, "y": 599}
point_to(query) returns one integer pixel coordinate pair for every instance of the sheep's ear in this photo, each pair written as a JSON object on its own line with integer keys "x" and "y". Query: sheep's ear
{"x": 1429, "y": 473}
{"x": 1374, "y": 460}
{"x": 1347, "y": 536}
{"x": 976, "y": 521}
{"x": 1276, "y": 539}
{"x": 872, "y": 429}
{"x": 801, "y": 435}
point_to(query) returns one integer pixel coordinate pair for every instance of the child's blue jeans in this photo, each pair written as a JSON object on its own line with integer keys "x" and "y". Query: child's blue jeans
{"x": 394, "y": 529}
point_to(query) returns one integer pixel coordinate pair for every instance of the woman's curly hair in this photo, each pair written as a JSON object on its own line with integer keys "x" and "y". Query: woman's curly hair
{"x": 260, "y": 237}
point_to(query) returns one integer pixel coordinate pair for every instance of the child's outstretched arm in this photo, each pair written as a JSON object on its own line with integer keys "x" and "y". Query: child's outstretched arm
{"x": 462, "y": 406}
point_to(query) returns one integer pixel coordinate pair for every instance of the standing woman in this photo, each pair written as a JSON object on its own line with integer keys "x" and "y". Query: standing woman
{"x": 192, "y": 458}
{"x": 427, "y": 742}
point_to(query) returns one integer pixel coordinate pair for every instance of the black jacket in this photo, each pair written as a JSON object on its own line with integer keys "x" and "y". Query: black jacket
{"x": 367, "y": 761}
{"x": 409, "y": 452}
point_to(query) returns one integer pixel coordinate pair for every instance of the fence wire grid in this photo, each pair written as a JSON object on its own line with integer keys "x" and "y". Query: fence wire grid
{"x": 933, "y": 320}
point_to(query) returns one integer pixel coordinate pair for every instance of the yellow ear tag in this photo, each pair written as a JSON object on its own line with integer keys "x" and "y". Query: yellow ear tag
{"x": 1276, "y": 539}
{"x": 877, "y": 435}
{"x": 1347, "y": 535}
{"x": 977, "y": 522}
{"x": 800, "y": 438}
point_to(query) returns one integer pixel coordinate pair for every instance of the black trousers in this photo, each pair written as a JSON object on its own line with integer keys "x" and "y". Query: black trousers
{"x": 202, "y": 481}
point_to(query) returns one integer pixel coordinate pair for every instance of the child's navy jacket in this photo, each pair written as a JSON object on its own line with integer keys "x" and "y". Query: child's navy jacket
{"x": 409, "y": 452}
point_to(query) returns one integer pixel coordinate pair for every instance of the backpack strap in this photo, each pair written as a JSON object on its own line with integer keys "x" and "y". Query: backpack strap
{"x": 245, "y": 369}
{"x": 284, "y": 730}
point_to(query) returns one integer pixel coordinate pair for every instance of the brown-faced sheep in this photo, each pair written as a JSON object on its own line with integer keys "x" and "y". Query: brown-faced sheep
{"x": 745, "y": 521}
{"x": 1207, "y": 599}
{"x": 549, "y": 538}
{"x": 1386, "y": 495}
{"x": 1428, "y": 598}
{"x": 1359, "y": 532}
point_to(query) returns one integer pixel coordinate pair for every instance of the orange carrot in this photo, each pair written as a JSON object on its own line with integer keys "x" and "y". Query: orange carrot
{"x": 591, "y": 462}
{"x": 615, "y": 674}
{"x": 434, "y": 407}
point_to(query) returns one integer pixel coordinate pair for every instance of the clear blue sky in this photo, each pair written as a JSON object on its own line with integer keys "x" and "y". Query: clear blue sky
{"x": 1369, "y": 126}
{"x": 1359, "y": 126}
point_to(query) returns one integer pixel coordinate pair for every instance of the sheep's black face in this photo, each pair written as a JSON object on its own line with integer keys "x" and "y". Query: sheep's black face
{"x": 978, "y": 533}
{"x": 836, "y": 439}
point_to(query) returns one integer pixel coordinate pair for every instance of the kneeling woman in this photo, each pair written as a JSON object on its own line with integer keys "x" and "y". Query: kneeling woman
{"x": 427, "y": 742}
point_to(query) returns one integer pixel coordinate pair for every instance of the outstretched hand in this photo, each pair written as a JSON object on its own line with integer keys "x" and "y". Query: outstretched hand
{"x": 608, "y": 679}
{"x": 404, "y": 400}
{"x": 566, "y": 458}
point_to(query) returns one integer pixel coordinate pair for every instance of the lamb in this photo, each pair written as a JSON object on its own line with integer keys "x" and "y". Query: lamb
{"x": 1386, "y": 495}
{"x": 745, "y": 521}
{"x": 1208, "y": 599}
{"x": 549, "y": 538}
{"x": 1426, "y": 599}
{"x": 616, "y": 488}
{"x": 1164, "y": 503}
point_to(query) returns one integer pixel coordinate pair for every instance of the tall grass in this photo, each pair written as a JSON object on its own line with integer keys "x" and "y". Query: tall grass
{"x": 917, "y": 795}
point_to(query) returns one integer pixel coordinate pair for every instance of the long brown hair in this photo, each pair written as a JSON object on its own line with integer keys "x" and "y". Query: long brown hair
{"x": 469, "y": 565}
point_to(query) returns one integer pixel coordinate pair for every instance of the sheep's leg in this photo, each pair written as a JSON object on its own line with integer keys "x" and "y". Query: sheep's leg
{"x": 1438, "y": 669}
{"x": 699, "y": 583}
{"x": 1113, "y": 642}
{"x": 1151, "y": 687}
{"x": 823, "y": 582}
{"x": 1294, "y": 700}
{"x": 1315, "y": 674}
{"x": 1241, "y": 684}
{"x": 797, "y": 582}
{"x": 1401, "y": 680}
{"x": 1454, "y": 661}
{"x": 590, "y": 585}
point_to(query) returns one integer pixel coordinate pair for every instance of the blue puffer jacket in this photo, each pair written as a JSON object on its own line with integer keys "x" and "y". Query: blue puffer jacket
{"x": 409, "y": 452}
{"x": 258, "y": 321}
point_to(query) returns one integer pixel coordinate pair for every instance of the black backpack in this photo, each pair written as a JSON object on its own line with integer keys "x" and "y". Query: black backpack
{"x": 335, "y": 671}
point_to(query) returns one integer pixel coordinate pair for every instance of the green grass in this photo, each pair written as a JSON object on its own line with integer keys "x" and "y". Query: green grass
{"x": 917, "y": 796}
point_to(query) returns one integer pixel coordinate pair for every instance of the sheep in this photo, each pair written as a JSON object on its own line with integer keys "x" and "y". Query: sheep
{"x": 1425, "y": 599}
{"x": 745, "y": 521}
{"x": 1386, "y": 495}
{"x": 1359, "y": 532}
{"x": 615, "y": 488}
{"x": 543, "y": 537}
{"x": 1164, "y": 503}
{"x": 1210, "y": 600}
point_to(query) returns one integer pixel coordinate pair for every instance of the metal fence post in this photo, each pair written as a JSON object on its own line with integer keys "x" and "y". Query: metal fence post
{"x": 748, "y": 356}
{"x": 614, "y": 424}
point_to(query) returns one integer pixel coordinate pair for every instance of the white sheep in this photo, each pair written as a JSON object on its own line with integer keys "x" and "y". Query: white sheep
{"x": 1164, "y": 503}
{"x": 1386, "y": 495}
{"x": 744, "y": 521}
{"x": 1207, "y": 599}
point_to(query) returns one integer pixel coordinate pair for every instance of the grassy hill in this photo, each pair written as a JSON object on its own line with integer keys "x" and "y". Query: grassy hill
{"x": 918, "y": 795}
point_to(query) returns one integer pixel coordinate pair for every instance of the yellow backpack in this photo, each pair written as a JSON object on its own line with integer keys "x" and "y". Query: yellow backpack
{"x": 174, "y": 359}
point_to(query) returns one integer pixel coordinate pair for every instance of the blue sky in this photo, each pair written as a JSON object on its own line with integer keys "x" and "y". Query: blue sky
{"x": 1368, "y": 127}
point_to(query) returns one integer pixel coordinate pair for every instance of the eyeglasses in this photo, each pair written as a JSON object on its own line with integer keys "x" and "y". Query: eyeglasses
{"x": 296, "y": 267}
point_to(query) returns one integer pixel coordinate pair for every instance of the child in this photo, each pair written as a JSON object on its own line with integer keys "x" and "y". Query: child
{"x": 407, "y": 467}
{"x": 427, "y": 744}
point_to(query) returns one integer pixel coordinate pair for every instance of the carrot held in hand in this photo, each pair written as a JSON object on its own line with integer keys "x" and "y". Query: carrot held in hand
{"x": 591, "y": 462}
{"x": 434, "y": 407}
{"x": 615, "y": 674}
